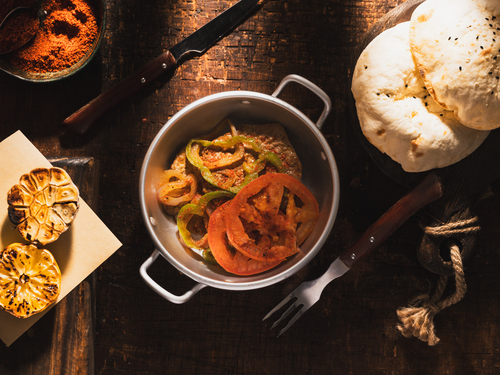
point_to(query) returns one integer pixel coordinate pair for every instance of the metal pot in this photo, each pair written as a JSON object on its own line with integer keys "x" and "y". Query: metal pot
{"x": 320, "y": 175}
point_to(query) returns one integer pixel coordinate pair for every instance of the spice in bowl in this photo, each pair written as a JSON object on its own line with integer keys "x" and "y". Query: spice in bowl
{"x": 68, "y": 32}
{"x": 17, "y": 31}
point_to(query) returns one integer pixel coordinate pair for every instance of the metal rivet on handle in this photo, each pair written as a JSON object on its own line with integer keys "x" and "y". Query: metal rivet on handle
{"x": 143, "y": 80}
{"x": 353, "y": 256}
{"x": 164, "y": 66}
{"x": 372, "y": 239}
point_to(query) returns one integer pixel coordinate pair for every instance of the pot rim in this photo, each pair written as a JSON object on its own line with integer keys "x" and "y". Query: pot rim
{"x": 250, "y": 285}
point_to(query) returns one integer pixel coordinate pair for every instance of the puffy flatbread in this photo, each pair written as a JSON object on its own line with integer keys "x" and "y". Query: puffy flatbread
{"x": 397, "y": 113}
{"x": 456, "y": 44}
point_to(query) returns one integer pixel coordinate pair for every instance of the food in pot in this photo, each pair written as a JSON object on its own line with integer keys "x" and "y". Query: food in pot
{"x": 266, "y": 223}
{"x": 227, "y": 162}
{"x": 30, "y": 280}
{"x": 398, "y": 115}
{"x": 456, "y": 45}
{"x": 199, "y": 209}
{"x": 228, "y": 258}
{"x": 238, "y": 197}
{"x": 43, "y": 205}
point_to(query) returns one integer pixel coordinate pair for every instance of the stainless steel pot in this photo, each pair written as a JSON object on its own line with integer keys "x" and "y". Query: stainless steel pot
{"x": 320, "y": 175}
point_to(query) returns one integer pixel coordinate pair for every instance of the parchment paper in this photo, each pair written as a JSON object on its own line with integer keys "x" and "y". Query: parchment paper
{"x": 78, "y": 251}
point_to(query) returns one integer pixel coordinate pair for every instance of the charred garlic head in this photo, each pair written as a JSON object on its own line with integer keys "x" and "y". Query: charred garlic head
{"x": 43, "y": 205}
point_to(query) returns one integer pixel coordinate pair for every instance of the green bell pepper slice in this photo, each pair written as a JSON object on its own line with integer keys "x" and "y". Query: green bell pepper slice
{"x": 187, "y": 211}
{"x": 251, "y": 170}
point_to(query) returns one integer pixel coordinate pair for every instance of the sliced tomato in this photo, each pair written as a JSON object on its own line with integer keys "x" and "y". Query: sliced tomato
{"x": 257, "y": 227}
{"x": 229, "y": 258}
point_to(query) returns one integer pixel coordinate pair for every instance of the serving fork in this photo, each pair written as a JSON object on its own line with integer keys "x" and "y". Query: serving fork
{"x": 309, "y": 292}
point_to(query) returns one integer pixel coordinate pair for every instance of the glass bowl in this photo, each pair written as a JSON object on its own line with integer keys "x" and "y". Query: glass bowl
{"x": 9, "y": 68}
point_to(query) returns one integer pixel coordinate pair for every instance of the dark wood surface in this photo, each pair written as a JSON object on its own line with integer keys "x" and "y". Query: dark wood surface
{"x": 352, "y": 329}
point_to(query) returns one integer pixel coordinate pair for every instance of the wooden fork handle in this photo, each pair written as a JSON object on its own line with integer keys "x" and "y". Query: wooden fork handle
{"x": 426, "y": 192}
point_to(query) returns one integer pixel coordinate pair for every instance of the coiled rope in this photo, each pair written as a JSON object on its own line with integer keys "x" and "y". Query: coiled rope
{"x": 418, "y": 319}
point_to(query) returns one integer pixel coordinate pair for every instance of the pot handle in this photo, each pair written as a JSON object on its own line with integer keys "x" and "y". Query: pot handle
{"x": 160, "y": 290}
{"x": 311, "y": 86}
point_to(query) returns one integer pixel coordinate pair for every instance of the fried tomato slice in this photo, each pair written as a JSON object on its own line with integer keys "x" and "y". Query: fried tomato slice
{"x": 228, "y": 257}
{"x": 258, "y": 228}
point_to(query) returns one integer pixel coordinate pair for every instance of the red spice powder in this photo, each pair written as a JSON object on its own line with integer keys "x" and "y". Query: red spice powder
{"x": 67, "y": 34}
{"x": 17, "y": 30}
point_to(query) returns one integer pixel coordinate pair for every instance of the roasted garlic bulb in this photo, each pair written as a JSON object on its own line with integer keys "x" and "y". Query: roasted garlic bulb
{"x": 30, "y": 279}
{"x": 43, "y": 204}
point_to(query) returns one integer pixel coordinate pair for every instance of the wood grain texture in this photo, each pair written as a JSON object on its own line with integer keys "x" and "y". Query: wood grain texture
{"x": 352, "y": 329}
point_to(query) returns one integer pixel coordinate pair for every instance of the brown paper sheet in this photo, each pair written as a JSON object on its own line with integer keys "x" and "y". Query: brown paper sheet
{"x": 79, "y": 250}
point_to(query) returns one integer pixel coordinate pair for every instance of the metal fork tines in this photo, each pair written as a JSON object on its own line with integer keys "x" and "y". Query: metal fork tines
{"x": 306, "y": 295}
{"x": 302, "y": 303}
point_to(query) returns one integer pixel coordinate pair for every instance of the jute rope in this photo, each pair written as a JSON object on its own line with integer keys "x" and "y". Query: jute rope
{"x": 418, "y": 319}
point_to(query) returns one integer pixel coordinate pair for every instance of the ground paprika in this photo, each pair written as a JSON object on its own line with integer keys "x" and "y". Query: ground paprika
{"x": 68, "y": 32}
{"x": 11, "y": 37}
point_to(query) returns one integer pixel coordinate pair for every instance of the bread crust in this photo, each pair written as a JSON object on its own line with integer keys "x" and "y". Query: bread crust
{"x": 456, "y": 45}
{"x": 397, "y": 113}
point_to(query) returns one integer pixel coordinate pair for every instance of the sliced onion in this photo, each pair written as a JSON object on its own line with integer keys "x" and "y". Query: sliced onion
{"x": 173, "y": 193}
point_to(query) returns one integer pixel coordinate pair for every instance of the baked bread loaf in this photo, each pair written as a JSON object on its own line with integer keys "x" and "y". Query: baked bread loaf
{"x": 456, "y": 45}
{"x": 398, "y": 115}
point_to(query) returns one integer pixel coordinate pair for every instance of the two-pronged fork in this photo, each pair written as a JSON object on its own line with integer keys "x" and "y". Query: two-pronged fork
{"x": 309, "y": 292}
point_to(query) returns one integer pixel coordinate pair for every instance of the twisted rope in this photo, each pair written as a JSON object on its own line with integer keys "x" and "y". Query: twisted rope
{"x": 418, "y": 319}
{"x": 458, "y": 227}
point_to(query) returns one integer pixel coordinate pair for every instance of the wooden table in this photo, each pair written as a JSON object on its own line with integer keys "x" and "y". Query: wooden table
{"x": 352, "y": 329}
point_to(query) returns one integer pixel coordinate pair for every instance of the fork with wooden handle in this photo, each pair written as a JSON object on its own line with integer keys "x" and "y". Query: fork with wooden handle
{"x": 309, "y": 292}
